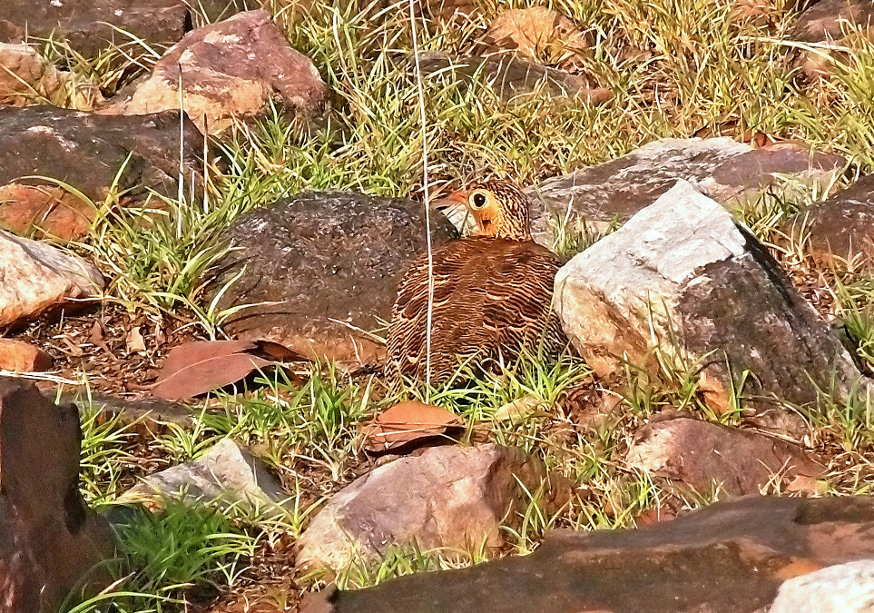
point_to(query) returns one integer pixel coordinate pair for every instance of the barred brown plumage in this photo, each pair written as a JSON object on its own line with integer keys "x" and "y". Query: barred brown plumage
{"x": 492, "y": 293}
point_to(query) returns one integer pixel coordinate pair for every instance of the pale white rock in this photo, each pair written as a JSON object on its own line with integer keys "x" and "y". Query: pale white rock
{"x": 683, "y": 281}
{"x": 842, "y": 588}
{"x": 36, "y": 277}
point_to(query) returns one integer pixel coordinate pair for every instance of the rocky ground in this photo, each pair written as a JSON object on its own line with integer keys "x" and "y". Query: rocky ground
{"x": 205, "y": 209}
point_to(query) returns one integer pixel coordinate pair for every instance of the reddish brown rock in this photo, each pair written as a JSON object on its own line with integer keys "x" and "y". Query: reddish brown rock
{"x": 826, "y": 23}
{"x": 50, "y": 542}
{"x": 227, "y": 70}
{"x": 91, "y": 25}
{"x": 729, "y": 558}
{"x": 703, "y": 455}
{"x": 319, "y": 271}
{"x": 45, "y": 209}
{"x": 841, "y": 230}
{"x": 18, "y": 356}
{"x": 28, "y": 78}
{"x": 25, "y": 76}
{"x": 91, "y": 154}
{"x": 446, "y": 498}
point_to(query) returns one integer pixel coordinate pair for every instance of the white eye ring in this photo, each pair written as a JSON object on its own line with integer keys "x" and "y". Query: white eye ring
{"x": 478, "y": 200}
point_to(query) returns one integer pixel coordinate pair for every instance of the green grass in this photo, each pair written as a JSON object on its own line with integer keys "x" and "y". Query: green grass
{"x": 676, "y": 67}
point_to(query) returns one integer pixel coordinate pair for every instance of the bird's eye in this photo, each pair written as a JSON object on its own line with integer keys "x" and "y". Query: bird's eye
{"x": 478, "y": 200}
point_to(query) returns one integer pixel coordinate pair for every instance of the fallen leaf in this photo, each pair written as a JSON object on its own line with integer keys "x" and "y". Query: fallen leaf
{"x": 96, "y": 336}
{"x": 805, "y": 484}
{"x": 199, "y": 367}
{"x": 405, "y": 423}
{"x": 518, "y": 410}
{"x": 134, "y": 341}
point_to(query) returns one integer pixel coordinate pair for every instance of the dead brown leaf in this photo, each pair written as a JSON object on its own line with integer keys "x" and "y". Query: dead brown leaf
{"x": 134, "y": 341}
{"x": 405, "y": 423}
{"x": 199, "y": 367}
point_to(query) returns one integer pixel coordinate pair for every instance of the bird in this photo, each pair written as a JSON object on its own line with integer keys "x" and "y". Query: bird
{"x": 492, "y": 294}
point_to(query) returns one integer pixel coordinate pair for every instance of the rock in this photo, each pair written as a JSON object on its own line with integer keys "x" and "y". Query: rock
{"x": 827, "y": 20}
{"x": 682, "y": 283}
{"x": 824, "y": 24}
{"x": 145, "y": 415}
{"x": 38, "y": 278}
{"x": 231, "y": 69}
{"x": 701, "y": 454}
{"x": 325, "y": 268}
{"x": 721, "y": 168}
{"x": 49, "y": 540}
{"x": 87, "y": 151}
{"x": 18, "y": 356}
{"x": 511, "y": 77}
{"x": 841, "y": 229}
{"x": 447, "y": 497}
{"x": 227, "y": 474}
{"x": 92, "y": 25}
{"x": 842, "y": 588}
{"x": 45, "y": 210}
{"x": 27, "y": 78}
{"x": 731, "y": 557}
{"x": 538, "y": 33}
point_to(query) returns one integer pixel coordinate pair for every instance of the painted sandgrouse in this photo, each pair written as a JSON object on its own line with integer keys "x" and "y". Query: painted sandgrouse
{"x": 492, "y": 293}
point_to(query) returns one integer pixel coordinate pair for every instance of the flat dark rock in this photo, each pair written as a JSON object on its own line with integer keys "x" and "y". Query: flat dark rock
{"x": 731, "y": 558}
{"x": 721, "y": 168}
{"x": 512, "y": 76}
{"x": 87, "y": 151}
{"x": 92, "y": 25}
{"x": 326, "y": 268}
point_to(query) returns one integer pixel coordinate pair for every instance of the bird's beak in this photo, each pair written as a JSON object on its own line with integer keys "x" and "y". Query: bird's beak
{"x": 458, "y": 197}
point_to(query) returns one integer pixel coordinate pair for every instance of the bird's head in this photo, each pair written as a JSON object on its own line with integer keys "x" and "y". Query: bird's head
{"x": 499, "y": 208}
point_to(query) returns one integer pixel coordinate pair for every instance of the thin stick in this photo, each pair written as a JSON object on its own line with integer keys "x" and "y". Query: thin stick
{"x": 421, "y": 87}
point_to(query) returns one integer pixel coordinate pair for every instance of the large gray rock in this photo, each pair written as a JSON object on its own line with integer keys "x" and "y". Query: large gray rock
{"x": 729, "y": 558}
{"x": 842, "y": 588}
{"x": 321, "y": 270}
{"x": 702, "y": 455}
{"x": 721, "y": 168}
{"x": 445, "y": 498}
{"x": 226, "y": 475}
{"x": 37, "y": 277}
{"x": 50, "y": 541}
{"x": 231, "y": 69}
{"x": 683, "y": 279}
